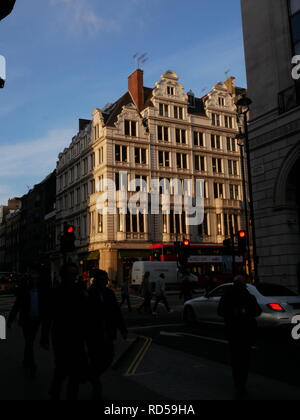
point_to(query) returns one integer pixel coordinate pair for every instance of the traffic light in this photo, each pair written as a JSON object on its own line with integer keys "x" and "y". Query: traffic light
{"x": 242, "y": 242}
{"x": 68, "y": 239}
{"x": 6, "y": 7}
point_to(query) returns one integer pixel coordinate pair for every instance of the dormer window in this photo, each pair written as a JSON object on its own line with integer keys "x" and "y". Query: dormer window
{"x": 171, "y": 91}
{"x": 221, "y": 101}
{"x": 130, "y": 128}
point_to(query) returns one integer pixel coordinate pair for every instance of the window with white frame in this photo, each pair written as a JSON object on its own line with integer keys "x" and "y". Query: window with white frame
{"x": 234, "y": 191}
{"x": 228, "y": 122}
{"x": 218, "y": 191}
{"x": 100, "y": 222}
{"x": 217, "y": 166}
{"x": 178, "y": 112}
{"x": 140, "y": 156}
{"x": 163, "y": 133}
{"x": 170, "y": 90}
{"x": 121, "y": 154}
{"x": 216, "y": 120}
{"x": 231, "y": 144}
{"x": 219, "y": 225}
{"x": 233, "y": 167}
{"x": 164, "y": 159}
{"x": 221, "y": 101}
{"x": 203, "y": 229}
{"x": 215, "y": 142}
{"x": 177, "y": 223}
{"x": 136, "y": 223}
{"x": 181, "y": 136}
{"x": 198, "y": 139}
{"x": 163, "y": 110}
{"x": 200, "y": 163}
{"x": 130, "y": 128}
{"x": 101, "y": 156}
{"x": 182, "y": 160}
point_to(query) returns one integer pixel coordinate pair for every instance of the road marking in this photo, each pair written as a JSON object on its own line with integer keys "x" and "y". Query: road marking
{"x": 149, "y": 327}
{"x": 215, "y": 340}
{"x": 139, "y": 357}
{"x": 167, "y": 334}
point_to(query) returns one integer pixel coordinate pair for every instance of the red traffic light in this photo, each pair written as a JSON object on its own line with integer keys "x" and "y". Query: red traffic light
{"x": 242, "y": 234}
{"x": 71, "y": 229}
{"x": 186, "y": 242}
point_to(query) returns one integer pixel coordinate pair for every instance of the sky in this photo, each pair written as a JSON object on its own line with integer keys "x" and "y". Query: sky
{"x": 67, "y": 57}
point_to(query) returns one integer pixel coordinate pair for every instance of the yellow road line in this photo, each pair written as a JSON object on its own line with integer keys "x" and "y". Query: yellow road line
{"x": 139, "y": 357}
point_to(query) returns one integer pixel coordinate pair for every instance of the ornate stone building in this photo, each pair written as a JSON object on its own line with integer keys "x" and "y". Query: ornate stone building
{"x": 161, "y": 133}
{"x": 271, "y": 33}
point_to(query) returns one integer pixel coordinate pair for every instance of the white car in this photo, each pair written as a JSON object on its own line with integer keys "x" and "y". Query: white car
{"x": 279, "y": 305}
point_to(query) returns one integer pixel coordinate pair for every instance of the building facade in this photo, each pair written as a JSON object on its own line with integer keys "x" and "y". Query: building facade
{"x": 272, "y": 38}
{"x": 27, "y": 228}
{"x": 164, "y": 134}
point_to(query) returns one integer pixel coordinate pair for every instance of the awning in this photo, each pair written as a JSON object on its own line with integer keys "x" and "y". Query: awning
{"x": 92, "y": 256}
{"x": 142, "y": 253}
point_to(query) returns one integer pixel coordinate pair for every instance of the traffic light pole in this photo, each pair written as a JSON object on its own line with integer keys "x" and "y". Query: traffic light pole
{"x": 252, "y": 216}
{"x": 233, "y": 251}
{"x": 246, "y": 208}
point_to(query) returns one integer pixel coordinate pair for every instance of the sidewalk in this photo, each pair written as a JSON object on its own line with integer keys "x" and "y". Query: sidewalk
{"x": 14, "y": 385}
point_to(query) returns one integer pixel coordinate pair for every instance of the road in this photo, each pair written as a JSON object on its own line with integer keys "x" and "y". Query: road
{"x": 166, "y": 359}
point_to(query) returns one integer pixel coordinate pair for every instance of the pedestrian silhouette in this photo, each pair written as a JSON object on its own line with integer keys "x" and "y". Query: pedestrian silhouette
{"x": 105, "y": 319}
{"x": 125, "y": 295}
{"x": 160, "y": 293}
{"x": 32, "y": 305}
{"x": 67, "y": 325}
{"x": 240, "y": 309}
{"x": 146, "y": 293}
{"x": 186, "y": 291}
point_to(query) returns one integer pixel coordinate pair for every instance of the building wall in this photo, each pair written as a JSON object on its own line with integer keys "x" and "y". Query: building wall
{"x": 274, "y": 138}
{"x": 118, "y": 245}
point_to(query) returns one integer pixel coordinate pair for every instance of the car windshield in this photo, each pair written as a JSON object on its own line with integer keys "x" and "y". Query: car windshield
{"x": 268, "y": 290}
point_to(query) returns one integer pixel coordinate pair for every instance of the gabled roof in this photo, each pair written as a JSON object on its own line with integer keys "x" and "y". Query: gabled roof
{"x": 111, "y": 113}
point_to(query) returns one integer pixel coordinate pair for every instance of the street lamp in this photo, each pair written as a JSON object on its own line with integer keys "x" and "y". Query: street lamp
{"x": 243, "y": 107}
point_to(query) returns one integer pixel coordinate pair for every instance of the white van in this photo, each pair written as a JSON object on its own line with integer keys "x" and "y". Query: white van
{"x": 169, "y": 269}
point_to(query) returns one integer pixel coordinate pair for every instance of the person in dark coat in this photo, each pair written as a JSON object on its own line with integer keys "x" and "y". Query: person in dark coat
{"x": 125, "y": 295}
{"x": 186, "y": 291}
{"x": 67, "y": 327}
{"x": 105, "y": 321}
{"x": 240, "y": 309}
{"x": 31, "y": 305}
{"x": 146, "y": 293}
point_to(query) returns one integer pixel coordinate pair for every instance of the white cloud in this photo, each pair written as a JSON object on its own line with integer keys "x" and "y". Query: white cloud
{"x": 34, "y": 157}
{"x": 29, "y": 162}
{"x": 79, "y": 16}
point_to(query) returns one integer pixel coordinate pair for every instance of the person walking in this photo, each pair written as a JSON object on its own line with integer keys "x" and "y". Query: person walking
{"x": 160, "y": 294}
{"x": 67, "y": 327}
{"x": 32, "y": 307}
{"x": 146, "y": 293}
{"x": 186, "y": 288}
{"x": 240, "y": 309}
{"x": 125, "y": 295}
{"x": 105, "y": 320}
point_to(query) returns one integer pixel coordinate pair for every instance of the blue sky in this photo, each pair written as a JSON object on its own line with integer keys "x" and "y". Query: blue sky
{"x": 66, "y": 57}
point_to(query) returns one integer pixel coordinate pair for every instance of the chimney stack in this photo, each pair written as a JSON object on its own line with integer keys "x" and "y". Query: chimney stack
{"x": 229, "y": 82}
{"x": 136, "y": 88}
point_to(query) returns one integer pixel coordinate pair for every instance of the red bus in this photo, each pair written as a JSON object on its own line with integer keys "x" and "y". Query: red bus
{"x": 210, "y": 263}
